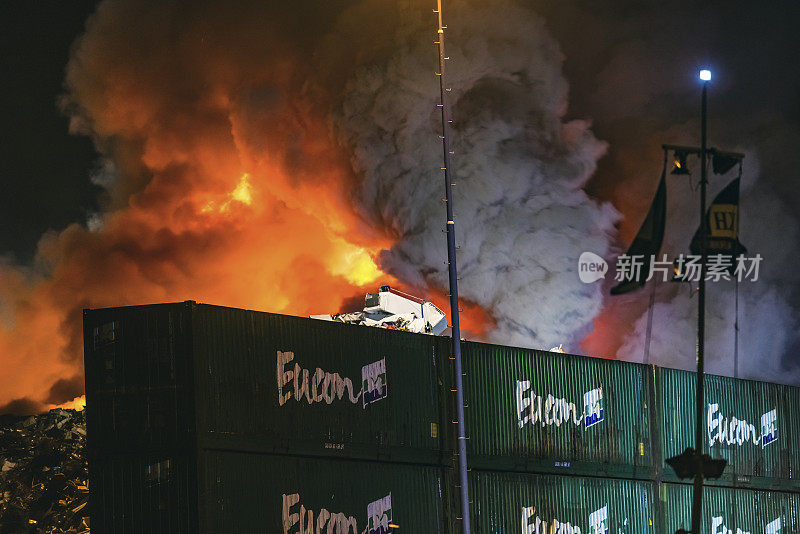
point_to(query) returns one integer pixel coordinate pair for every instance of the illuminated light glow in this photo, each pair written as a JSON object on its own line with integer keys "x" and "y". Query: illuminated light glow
{"x": 705, "y": 75}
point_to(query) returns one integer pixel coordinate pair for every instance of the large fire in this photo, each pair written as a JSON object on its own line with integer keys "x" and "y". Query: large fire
{"x": 225, "y": 187}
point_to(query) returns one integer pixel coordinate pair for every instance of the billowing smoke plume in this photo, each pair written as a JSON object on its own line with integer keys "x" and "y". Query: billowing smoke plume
{"x": 633, "y": 69}
{"x": 285, "y": 157}
{"x": 222, "y": 184}
{"x": 522, "y": 217}
{"x": 256, "y": 157}
{"x": 768, "y": 324}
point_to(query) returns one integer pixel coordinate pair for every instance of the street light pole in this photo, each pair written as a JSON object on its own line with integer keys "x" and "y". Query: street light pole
{"x": 692, "y": 463}
{"x": 697, "y": 496}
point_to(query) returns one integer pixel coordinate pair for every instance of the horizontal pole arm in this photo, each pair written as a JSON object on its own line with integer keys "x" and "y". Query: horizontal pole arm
{"x": 698, "y": 150}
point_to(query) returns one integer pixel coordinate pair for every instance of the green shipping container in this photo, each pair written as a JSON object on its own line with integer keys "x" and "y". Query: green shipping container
{"x": 143, "y": 493}
{"x": 731, "y": 511}
{"x": 219, "y": 492}
{"x": 186, "y": 375}
{"x": 505, "y": 503}
{"x": 539, "y": 411}
{"x": 261, "y": 493}
{"x": 139, "y": 378}
{"x": 755, "y": 426}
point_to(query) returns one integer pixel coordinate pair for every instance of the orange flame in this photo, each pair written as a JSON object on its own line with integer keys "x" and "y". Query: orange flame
{"x": 78, "y": 403}
{"x": 229, "y": 190}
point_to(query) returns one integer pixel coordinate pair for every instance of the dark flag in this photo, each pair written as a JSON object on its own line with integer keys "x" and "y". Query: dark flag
{"x": 722, "y": 219}
{"x": 648, "y": 240}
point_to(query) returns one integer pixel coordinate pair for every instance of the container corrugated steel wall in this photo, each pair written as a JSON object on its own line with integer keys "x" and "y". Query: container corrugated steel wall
{"x": 531, "y": 410}
{"x": 138, "y": 366}
{"x": 731, "y": 510}
{"x": 143, "y": 493}
{"x": 503, "y": 503}
{"x": 250, "y": 395}
{"x": 157, "y": 374}
{"x": 758, "y": 422}
{"x": 245, "y": 492}
{"x": 194, "y": 409}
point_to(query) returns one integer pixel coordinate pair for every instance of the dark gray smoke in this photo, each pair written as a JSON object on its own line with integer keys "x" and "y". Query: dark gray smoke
{"x": 768, "y": 321}
{"x": 560, "y": 109}
{"x": 633, "y": 70}
{"x": 522, "y": 217}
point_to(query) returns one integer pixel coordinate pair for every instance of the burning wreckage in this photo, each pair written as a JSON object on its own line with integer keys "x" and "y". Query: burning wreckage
{"x": 393, "y": 309}
{"x": 43, "y": 473}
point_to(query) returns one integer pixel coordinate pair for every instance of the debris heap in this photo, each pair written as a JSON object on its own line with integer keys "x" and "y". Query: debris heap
{"x": 43, "y": 473}
{"x": 395, "y": 310}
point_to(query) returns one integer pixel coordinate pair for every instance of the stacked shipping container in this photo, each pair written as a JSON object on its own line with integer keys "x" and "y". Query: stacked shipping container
{"x": 532, "y": 410}
{"x": 210, "y": 419}
{"x": 731, "y": 510}
{"x": 176, "y": 391}
{"x": 755, "y": 426}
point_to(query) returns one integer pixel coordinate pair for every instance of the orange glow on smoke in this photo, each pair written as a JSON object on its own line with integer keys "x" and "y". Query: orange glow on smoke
{"x": 212, "y": 203}
{"x": 475, "y": 321}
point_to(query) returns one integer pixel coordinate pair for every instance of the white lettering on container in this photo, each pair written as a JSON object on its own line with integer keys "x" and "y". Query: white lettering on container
{"x": 550, "y": 410}
{"x": 299, "y": 383}
{"x": 304, "y": 520}
{"x": 735, "y": 431}
{"x": 533, "y": 524}
{"x": 717, "y": 527}
{"x": 773, "y": 527}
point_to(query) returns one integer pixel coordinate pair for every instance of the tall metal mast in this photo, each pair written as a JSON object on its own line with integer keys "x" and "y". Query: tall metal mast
{"x": 692, "y": 463}
{"x": 697, "y": 496}
{"x": 450, "y": 230}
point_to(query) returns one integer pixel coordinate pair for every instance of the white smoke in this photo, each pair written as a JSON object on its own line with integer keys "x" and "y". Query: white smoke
{"x": 768, "y": 324}
{"x": 635, "y": 71}
{"x": 522, "y": 217}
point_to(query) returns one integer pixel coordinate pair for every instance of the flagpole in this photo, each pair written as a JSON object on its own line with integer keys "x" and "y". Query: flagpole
{"x": 736, "y": 333}
{"x": 697, "y": 497}
{"x": 736, "y": 305}
{"x": 649, "y": 324}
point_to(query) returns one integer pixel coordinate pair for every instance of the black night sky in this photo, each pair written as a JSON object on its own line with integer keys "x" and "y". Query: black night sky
{"x": 44, "y": 170}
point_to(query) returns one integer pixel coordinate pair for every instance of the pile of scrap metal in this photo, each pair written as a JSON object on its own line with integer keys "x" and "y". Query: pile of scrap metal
{"x": 43, "y": 473}
{"x": 389, "y": 308}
